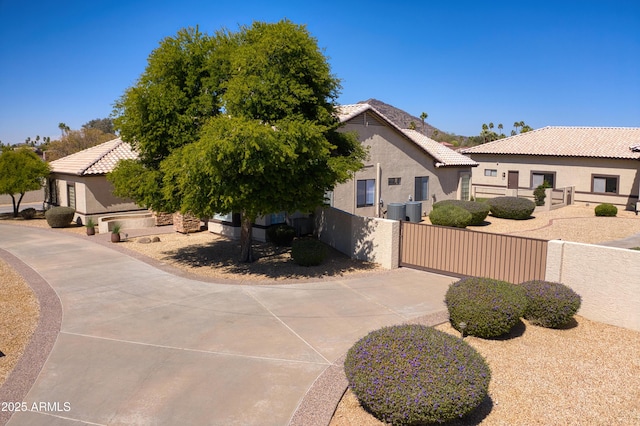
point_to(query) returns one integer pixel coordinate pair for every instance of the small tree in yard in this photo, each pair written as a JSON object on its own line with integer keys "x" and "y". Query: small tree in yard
{"x": 540, "y": 193}
{"x": 252, "y": 128}
{"x": 21, "y": 171}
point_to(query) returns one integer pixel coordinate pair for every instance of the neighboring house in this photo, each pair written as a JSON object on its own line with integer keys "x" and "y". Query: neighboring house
{"x": 602, "y": 164}
{"x": 403, "y": 165}
{"x": 79, "y": 181}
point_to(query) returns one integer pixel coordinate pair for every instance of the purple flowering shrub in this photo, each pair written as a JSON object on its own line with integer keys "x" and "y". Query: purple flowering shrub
{"x": 413, "y": 374}
{"x": 550, "y": 305}
{"x": 511, "y": 207}
{"x": 487, "y": 307}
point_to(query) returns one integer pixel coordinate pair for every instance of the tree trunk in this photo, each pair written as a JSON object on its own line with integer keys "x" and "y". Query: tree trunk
{"x": 246, "y": 251}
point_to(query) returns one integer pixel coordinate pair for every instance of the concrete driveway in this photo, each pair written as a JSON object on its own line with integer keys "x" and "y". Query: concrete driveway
{"x": 138, "y": 345}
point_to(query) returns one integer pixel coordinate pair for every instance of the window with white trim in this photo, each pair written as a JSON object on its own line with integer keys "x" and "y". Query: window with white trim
{"x": 491, "y": 172}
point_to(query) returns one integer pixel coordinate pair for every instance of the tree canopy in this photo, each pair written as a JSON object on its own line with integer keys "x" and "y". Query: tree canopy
{"x": 74, "y": 141}
{"x": 240, "y": 121}
{"x": 21, "y": 170}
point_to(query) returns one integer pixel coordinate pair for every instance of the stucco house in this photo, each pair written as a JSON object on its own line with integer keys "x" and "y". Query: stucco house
{"x": 601, "y": 164}
{"x": 79, "y": 181}
{"x": 403, "y": 165}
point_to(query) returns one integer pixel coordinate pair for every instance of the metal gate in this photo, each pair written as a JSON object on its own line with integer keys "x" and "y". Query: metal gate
{"x": 470, "y": 253}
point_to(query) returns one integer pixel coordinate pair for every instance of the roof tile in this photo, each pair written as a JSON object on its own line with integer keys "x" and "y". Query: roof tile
{"x": 600, "y": 142}
{"x": 98, "y": 160}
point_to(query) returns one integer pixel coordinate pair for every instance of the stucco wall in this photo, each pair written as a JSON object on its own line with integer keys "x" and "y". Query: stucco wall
{"x": 576, "y": 172}
{"x": 94, "y": 196}
{"x": 395, "y": 156}
{"x": 607, "y": 278}
{"x": 365, "y": 238}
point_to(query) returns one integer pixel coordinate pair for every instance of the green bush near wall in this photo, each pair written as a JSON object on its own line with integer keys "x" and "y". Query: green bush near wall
{"x": 59, "y": 217}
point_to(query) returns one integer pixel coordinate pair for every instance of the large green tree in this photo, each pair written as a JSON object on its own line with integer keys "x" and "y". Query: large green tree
{"x": 239, "y": 121}
{"x": 21, "y": 170}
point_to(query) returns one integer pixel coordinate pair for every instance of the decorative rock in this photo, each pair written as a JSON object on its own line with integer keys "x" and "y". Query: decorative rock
{"x": 155, "y": 240}
{"x": 144, "y": 240}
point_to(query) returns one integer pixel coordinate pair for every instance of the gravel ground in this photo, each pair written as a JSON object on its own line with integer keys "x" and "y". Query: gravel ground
{"x": 586, "y": 374}
{"x": 19, "y": 312}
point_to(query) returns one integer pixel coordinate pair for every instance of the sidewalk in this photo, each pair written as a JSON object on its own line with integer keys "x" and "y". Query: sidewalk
{"x": 139, "y": 345}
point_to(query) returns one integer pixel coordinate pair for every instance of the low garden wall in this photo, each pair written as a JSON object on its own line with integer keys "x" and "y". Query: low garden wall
{"x": 364, "y": 238}
{"x": 607, "y": 278}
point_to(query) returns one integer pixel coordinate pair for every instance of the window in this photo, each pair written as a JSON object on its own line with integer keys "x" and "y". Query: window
{"x": 277, "y": 218}
{"x": 537, "y": 178}
{"x": 71, "y": 195}
{"x": 422, "y": 188}
{"x": 366, "y": 190}
{"x": 394, "y": 181}
{"x": 604, "y": 184}
{"x": 491, "y": 172}
{"x": 465, "y": 186}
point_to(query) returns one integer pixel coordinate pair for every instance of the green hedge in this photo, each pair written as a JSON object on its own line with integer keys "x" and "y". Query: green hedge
{"x": 511, "y": 207}
{"x": 479, "y": 211}
{"x": 308, "y": 252}
{"x": 450, "y": 215}
{"x": 606, "y": 209}
{"x": 413, "y": 375}
{"x": 59, "y": 217}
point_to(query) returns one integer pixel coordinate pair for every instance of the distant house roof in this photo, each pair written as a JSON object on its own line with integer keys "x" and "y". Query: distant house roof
{"x": 445, "y": 157}
{"x": 98, "y": 160}
{"x": 597, "y": 142}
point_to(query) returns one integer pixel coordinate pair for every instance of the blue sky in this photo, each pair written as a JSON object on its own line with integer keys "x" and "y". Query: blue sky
{"x": 465, "y": 63}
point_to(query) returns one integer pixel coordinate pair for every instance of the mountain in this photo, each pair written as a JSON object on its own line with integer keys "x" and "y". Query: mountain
{"x": 403, "y": 120}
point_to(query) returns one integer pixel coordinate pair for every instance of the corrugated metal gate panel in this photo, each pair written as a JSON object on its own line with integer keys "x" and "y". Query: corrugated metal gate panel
{"x": 471, "y": 253}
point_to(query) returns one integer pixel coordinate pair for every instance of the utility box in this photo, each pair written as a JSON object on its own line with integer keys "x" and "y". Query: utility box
{"x": 414, "y": 211}
{"x": 396, "y": 211}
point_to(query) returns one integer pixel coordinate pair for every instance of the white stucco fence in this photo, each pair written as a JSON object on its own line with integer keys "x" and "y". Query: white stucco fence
{"x": 365, "y": 238}
{"x": 607, "y": 278}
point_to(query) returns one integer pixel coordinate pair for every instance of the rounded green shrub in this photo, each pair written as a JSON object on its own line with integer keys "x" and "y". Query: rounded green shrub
{"x": 606, "y": 209}
{"x": 28, "y": 213}
{"x": 59, "y": 217}
{"x": 450, "y": 215}
{"x": 413, "y": 375}
{"x": 281, "y": 234}
{"x": 511, "y": 207}
{"x": 550, "y": 304}
{"x": 487, "y": 307}
{"x": 479, "y": 211}
{"x": 308, "y": 252}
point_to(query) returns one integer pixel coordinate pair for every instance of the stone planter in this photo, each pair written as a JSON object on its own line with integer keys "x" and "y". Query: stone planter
{"x": 115, "y": 238}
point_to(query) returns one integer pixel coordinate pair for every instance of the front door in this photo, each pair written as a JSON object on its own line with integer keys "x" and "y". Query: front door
{"x": 512, "y": 182}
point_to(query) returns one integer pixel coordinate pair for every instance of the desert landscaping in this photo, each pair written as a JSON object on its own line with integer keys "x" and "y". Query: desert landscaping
{"x": 581, "y": 374}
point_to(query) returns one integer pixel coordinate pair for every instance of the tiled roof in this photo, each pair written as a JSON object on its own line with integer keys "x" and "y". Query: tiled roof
{"x": 443, "y": 155}
{"x": 98, "y": 160}
{"x": 600, "y": 142}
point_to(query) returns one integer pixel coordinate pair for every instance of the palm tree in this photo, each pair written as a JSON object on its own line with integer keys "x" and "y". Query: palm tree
{"x": 500, "y": 127}
{"x": 491, "y": 125}
{"x": 423, "y": 117}
{"x": 63, "y": 128}
{"x": 516, "y": 125}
